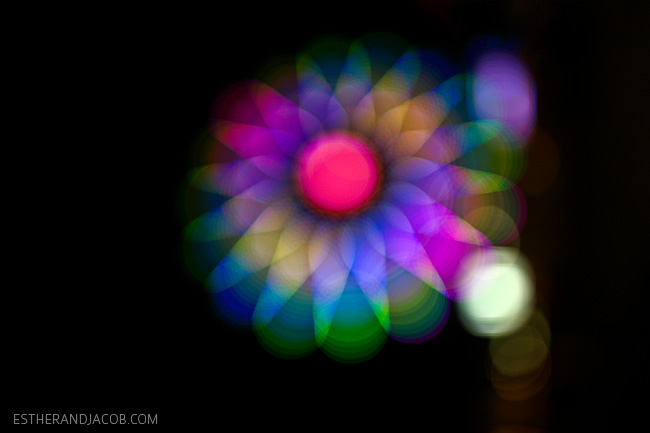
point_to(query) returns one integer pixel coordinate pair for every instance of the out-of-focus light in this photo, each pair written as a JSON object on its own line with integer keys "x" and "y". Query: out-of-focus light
{"x": 521, "y": 364}
{"x": 499, "y": 294}
{"x": 338, "y": 174}
{"x": 520, "y": 354}
{"x": 338, "y": 202}
{"x": 504, "y": 90}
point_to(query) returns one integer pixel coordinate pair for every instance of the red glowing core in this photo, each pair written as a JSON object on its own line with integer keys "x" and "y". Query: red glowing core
{"x": 338, "y": 174}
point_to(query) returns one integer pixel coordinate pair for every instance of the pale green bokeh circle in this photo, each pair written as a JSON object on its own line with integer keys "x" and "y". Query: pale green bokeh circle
{"x": 500, "y": 295}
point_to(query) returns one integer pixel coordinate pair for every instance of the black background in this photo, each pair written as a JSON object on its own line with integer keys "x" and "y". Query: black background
{"x": 104, "y": 319}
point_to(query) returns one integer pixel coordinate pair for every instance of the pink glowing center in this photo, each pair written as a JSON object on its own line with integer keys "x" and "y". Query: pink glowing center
{"x": 338, "y": 174}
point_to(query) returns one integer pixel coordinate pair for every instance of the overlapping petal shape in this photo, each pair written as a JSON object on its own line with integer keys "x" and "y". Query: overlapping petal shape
{"x": 450, "y": 156}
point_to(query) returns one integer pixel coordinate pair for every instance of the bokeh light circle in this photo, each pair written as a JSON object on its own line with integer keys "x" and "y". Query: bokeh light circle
{"x": 338, "y": 174}
{"x": 501, "y": 294}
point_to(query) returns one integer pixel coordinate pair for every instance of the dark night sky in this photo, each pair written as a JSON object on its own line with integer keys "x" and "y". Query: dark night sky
{"x": 106, "y": 320}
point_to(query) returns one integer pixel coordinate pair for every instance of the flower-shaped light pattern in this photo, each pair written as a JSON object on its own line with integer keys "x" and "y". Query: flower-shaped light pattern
{"x": 344, "y": 200}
